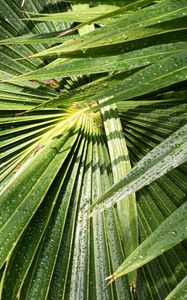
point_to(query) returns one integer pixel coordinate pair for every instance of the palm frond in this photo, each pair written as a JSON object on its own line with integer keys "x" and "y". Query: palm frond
{"x": 93, "y": 113}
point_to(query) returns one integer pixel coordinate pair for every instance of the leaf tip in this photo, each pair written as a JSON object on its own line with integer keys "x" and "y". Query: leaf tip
{"x": 111, "y": 278}
{"x": 132, "y": 288}
{"x": 21, "y": 58}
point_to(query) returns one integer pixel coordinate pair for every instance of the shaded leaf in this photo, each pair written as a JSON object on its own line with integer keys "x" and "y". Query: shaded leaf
{"x": 171, "y": 232}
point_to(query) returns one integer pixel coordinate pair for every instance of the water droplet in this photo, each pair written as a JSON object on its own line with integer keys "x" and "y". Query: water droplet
{"x": 173, "y": 233}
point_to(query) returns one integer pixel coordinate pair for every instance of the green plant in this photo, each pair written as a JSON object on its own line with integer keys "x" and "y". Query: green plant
{"x": 93, "y": 149}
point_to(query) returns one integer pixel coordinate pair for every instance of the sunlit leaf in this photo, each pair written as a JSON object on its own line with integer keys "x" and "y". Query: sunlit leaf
{"x": 169, "y": 154}
{"x": 92, "y": 99}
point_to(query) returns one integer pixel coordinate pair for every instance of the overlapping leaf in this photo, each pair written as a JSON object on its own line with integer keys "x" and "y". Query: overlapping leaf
{"x": 56, "y": 159}
{"x": 171, "y": 153}
{"x": 171, "y": 232}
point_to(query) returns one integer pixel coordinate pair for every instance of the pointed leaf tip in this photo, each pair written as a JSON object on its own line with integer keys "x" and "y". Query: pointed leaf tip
{"x": 110, "y": 279}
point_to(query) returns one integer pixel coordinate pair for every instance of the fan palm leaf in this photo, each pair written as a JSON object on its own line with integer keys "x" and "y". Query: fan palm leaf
{"x": 93, "y": 149}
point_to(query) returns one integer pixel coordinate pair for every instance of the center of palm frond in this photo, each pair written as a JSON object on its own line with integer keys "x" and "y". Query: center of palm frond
{"x": 85, "y": 119}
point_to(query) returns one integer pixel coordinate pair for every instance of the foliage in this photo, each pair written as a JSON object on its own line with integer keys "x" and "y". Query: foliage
{"x": 93, "y": 149}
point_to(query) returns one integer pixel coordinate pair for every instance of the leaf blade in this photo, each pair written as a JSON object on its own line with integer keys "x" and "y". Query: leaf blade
{"x": 171, "y": 232}
{"x": 169, "y": 154}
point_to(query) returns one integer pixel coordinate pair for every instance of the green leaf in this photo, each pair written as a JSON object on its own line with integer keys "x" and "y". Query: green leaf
{"x": 127, "y": 61}
{"x": 169, "y": 154}
{"x": 143, "y": 23}
{"x": 31, "y": 240}
{"x": 76, "y": 16}
{"x": 180, "y": 292}
{"x": 101, "y": 14}
{"x": 154, "y": 77}
{"x": 42, "y": 38}
{"x": 55, "y": 151}
{"x": 27, "y": 191}
{"x": 171, "y": 232}
{"x": 126, "y": 210}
